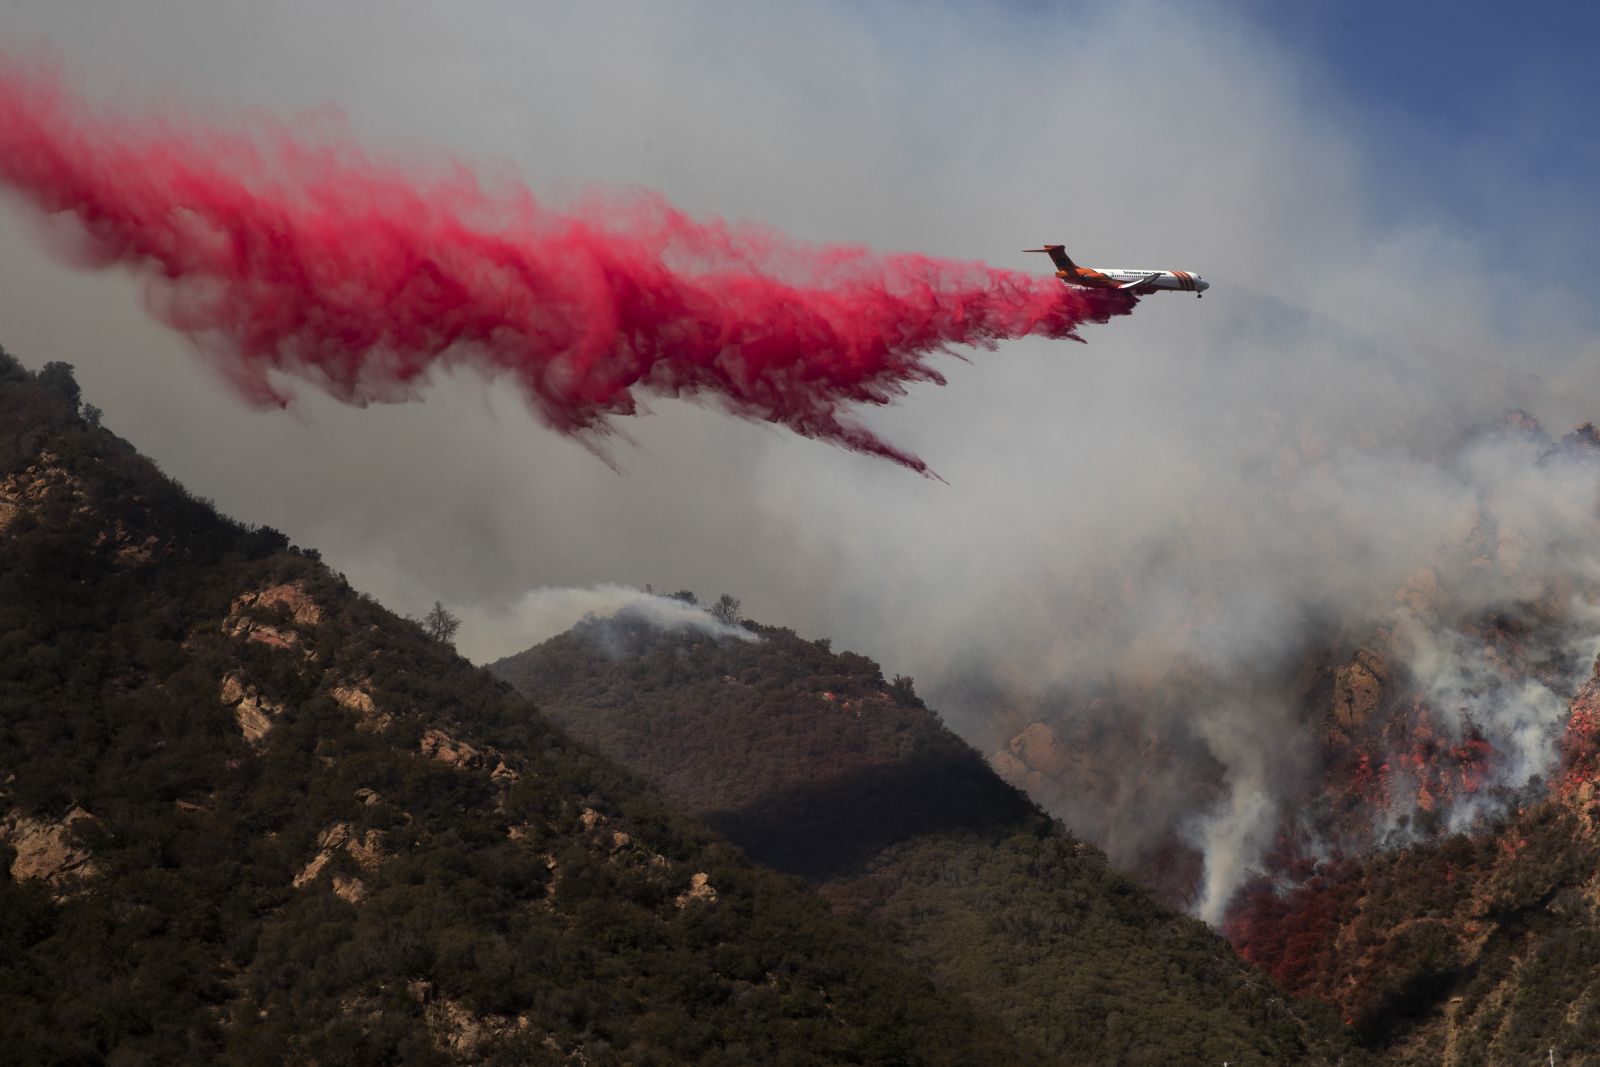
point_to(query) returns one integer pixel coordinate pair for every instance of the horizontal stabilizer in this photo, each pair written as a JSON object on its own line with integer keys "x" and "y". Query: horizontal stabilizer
{"x": 1057, "y": 254}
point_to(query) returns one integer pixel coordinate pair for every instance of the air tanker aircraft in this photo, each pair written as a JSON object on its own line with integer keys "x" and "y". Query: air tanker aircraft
{"x": 1139, "y": 281}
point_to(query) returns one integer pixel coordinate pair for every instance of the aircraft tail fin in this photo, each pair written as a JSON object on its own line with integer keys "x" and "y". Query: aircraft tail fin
{"x": 1058, "y": 256}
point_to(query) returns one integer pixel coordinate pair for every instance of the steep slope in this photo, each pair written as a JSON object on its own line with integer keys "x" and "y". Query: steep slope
{"x": 249, "y": 816}
{"x": 1467, "y": 950}
{"x": 1422, "y": 689}
{"x": 812, "y": 762}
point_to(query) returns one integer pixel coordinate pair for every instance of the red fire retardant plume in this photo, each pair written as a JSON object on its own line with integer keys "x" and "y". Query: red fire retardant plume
{"x": 309, "y": 260}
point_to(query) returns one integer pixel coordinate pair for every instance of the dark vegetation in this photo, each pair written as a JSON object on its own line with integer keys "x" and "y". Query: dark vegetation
{"x": 528, "y": 903}
{"x": 811, "y": 761}
{"x": 544, "y": 914}
{"x": 801, "y": 755}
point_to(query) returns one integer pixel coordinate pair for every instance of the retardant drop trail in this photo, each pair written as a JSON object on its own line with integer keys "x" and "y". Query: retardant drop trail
{"x": 280, "y": 254}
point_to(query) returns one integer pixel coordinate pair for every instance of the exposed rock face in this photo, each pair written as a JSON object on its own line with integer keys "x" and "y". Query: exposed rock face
{"x": 438, "y": 745}
{"x": 331, "y": 839}
{"x": 45, "y": 850}
{"x": 700, "y": 889}
{"x": 128, "y": 551}
{"x": 456, "y": 1029}
{"x": 291, "y": 597}
{"x": 350, "y": 890}
{"x": 250, "y": 630}
{"x": 357, "y": 699}
{"x": 1041, "y": 750}
{"x": 46, "y": 479}
{"x": 368, "y": 853}
{"x": 1357, "y": 689}
{"x": 33, "y": 485}
{"x": 253, "y": 721}
{"x": 253, "y": 712}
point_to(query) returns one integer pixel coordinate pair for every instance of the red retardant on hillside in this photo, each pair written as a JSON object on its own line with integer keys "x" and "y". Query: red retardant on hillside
{"x": 278, "y": 254}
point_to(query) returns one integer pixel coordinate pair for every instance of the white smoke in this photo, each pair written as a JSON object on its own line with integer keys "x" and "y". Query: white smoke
{"x": 545, "y": 612}
{"x": 1242, "y": 826}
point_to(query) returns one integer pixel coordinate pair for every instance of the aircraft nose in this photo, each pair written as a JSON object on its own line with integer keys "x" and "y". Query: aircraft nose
{"x": 1200, "y": 284}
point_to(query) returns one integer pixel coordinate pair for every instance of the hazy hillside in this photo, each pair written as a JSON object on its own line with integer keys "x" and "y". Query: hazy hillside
{"x": 1421, "y": 689}
{"x": 812, "y": 762}
{"x": 249, "y": 816}
{"x": 1467, "y": 950}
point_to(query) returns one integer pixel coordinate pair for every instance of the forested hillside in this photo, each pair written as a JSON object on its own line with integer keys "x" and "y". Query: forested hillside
{"x": 249, "y": 816}
{"x": 811, "y": 761}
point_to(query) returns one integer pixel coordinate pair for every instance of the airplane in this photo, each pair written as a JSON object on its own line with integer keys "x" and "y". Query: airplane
{"x": 1140, "y": 282}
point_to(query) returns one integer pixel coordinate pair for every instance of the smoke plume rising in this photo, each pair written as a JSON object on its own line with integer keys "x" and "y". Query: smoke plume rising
{"x": 543, "y": 613}
{"x": 1223, "y": 484}
{"x": 280, "y": 255}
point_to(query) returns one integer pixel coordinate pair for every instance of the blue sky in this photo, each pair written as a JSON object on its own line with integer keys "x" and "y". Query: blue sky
{"x": 1456, "y": 66}
{"x": 1473, "y": 117}
{"x": 1485, "y": 107}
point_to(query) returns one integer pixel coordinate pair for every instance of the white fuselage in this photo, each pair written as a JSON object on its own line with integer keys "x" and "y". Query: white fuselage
{"x": 1124, "y": 278}
{"x": 1136, "y": 280}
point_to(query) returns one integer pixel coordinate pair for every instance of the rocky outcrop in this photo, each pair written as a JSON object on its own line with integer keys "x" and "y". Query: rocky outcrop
{"x": 253, "y": 712}
{"x": 289, "y": 599}
{"x": 457, "y": 1030}
{"x": 129, "y": 551}
{"x": 1358, "y": 687}
{"x": 700, "y": 891}
{"x": 34, "y": 484}
{"x": 292, "y": 596}
{"x": 46, "y": 479}
{"x": 1039, "y": 749}
{"x": 46, "y": 849}
{"x": 357, "y": 699}
{"x": 368, "y": 852}
{"x": 349, "y": 889}
{"x": 438, "y": 745}
{"x": 250, "y": 630}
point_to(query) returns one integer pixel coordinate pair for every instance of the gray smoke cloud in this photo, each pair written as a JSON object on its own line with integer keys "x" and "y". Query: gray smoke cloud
{"x": 1162, "y": 520}
{"x": 1493, "y": 631}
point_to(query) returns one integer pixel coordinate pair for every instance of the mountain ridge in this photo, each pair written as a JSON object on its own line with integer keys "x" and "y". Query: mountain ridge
{"x": 250, "y": 816}
{"x": 809, "y": 759}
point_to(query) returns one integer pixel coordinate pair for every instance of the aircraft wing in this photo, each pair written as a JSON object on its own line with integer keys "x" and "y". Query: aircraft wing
{"x": 1135, "y": 283}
